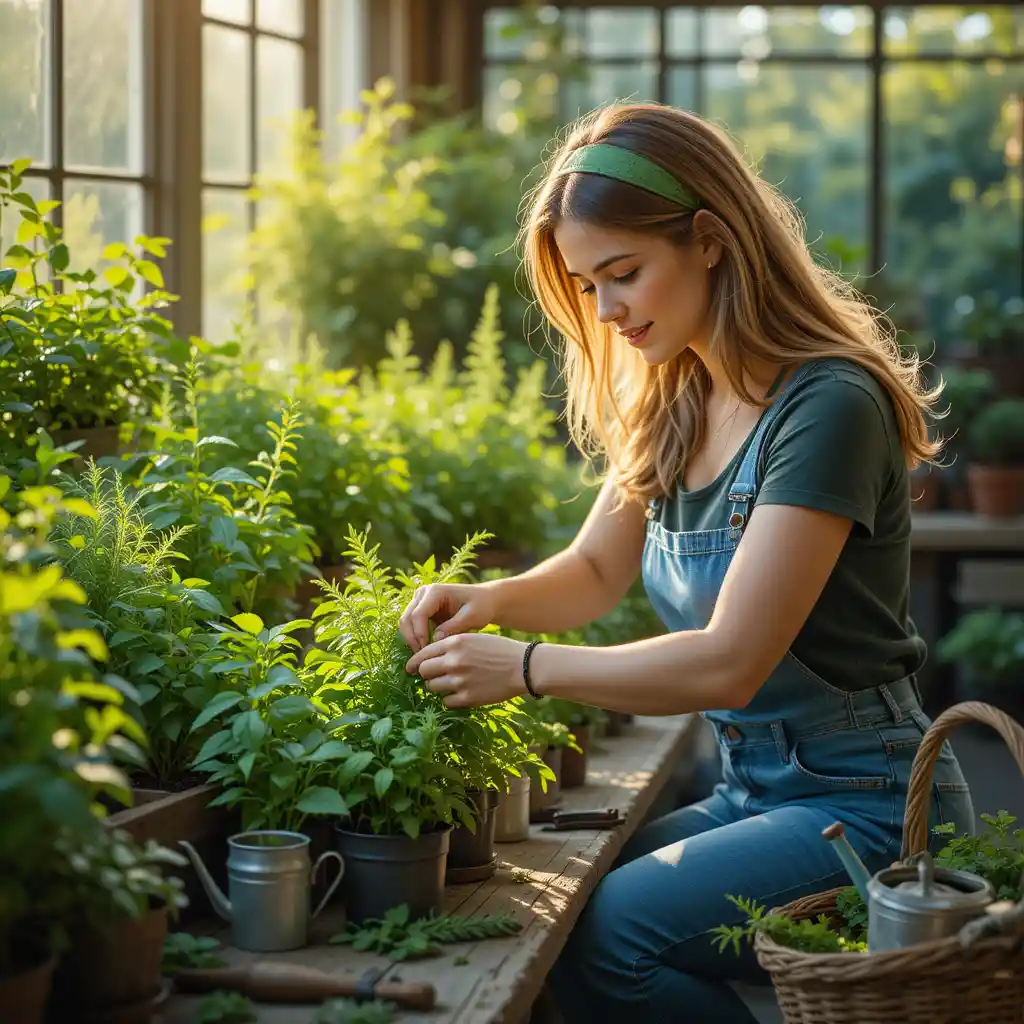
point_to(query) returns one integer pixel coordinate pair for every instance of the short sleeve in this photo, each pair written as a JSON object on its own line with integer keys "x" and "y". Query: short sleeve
{"x": 831, "y": 448}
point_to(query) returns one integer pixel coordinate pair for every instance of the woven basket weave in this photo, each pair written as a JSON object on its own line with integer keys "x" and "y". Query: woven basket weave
{"x": 974, "y": 978}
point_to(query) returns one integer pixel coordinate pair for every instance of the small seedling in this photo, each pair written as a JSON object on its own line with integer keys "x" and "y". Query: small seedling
{"x": 461, "y": 961}
{"x": 183, "y": 950}
{"x": 226, "y": 1008}
{"x": 348, "y": 1011}
{"x": 522, "y": 875}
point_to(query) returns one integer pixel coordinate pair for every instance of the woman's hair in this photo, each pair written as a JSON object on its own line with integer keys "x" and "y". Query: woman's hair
{"x": 769, "y": 300}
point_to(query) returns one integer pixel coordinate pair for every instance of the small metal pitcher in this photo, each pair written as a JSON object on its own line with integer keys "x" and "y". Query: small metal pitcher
{"x": 912, "y": 903}
{"x": 269, "y": 880}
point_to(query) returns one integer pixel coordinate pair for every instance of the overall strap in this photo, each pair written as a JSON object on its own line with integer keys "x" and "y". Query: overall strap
{"x": 744, "y": 487}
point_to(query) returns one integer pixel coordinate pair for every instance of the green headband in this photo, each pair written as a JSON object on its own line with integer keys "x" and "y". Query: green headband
{"x": 615, "y": 162}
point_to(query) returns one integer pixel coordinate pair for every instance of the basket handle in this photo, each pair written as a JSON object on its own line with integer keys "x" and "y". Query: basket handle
{"x": 915, "y": 820}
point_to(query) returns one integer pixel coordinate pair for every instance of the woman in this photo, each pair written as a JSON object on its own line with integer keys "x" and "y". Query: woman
{"x": 758, "y": 423}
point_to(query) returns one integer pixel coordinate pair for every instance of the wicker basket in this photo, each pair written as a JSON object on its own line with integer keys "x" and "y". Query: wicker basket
{"x": 974, "y": 978}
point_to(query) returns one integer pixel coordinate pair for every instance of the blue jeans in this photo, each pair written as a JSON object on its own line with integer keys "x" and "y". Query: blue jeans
{"x": 642, "y": 950}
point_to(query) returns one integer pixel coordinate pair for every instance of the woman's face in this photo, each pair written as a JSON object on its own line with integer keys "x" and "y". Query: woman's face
{"x": 652, "y": 291}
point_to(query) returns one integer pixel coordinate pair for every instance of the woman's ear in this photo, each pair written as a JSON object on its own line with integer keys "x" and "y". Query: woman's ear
{"x": 707, "y": 234}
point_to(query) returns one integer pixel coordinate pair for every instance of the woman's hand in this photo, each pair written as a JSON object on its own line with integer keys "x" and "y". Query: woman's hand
{"x": 453, "y": 607}
{"x": 472, "y": 669}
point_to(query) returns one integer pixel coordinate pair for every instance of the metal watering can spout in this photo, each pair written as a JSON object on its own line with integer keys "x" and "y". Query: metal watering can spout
{"x": 836, "y": 835}
{"x": 220, "y": 902}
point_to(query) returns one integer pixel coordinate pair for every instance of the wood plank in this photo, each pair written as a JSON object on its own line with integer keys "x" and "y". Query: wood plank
{"x": 544, "y": 882}
{"x": 965, "y": 531}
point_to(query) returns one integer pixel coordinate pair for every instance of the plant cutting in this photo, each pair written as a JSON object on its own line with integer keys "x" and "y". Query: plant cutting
{"x": 60, "y": 723}
{"x": 122, "y": 897}
{"x": 995, "y": 474}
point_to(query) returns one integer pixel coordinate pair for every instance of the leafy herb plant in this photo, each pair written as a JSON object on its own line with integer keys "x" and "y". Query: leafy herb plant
{"x": 223, "y": 1007}
{"x": 183, "y": 950}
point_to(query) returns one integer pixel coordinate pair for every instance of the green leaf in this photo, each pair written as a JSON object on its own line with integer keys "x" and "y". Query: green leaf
{"x": 282, "y": 675}
{"x": 233, "y": 665}
{"x": 332, "y": 750}
{"x": 148, "y": 663}
{"x": 292, "y": 708}
{"x": 150, "y": 272}
{"x": 219, "y": 703}
{"x": 224, "y": 531}
{"x": 380, "y": 730}
{"x": 114, "y": 250}
{"x": 204, "y": 600}
{"x": 116, "y": 275}
{"x": 248, "y": 623}
{"x": 234, "y": 475}
{"x": 322, "y": 800}
{"x": 215, "y": 439}
{"x": 382, "y": 781}
{"x": 216, "y": 744}
{"x": 245, "y": 763}
{"x": 249, "y": 729}
{"x": 356, "y": 765}
{"x": 7, "y": 279}
{"x": 19, "y": 167}
{"x": 59, "y": 257}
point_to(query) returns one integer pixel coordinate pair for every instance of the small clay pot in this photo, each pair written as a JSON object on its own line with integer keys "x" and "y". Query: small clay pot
{"x": 996, "y": 491}
{"x": 23, "y": 996}
{"x": 574, "y": 763}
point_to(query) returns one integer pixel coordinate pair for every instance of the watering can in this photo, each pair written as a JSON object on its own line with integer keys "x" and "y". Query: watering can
{"x": 269, "y": 880}
{"x": 912, "y": 903}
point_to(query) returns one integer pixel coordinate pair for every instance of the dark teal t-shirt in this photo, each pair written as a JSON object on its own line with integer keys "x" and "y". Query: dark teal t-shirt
{"x": 836, "y": 447}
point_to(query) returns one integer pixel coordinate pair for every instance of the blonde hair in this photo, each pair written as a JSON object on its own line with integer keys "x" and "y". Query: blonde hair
{"x": 769, "y": 300}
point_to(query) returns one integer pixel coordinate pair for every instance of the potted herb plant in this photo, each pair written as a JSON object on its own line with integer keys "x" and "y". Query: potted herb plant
{"x": 55, "y": 752}
{"x": 995, "y": 474}
{"x": 964, "y": 394}
{"x": 987, "y": 646}
{"x": 122, "y": 901}
{"x": 553, "y": 740}
{"x": 583, "y": 722}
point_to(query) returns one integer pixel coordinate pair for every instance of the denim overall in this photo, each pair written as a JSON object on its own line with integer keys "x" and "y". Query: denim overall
{"x": 800, "y": 756}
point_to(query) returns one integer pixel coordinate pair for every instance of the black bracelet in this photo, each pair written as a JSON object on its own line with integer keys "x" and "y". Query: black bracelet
{"x": 526, "y": 669}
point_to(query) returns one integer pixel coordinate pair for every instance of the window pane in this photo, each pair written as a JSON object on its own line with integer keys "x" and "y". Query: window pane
{"x": 613, "y": 32}
{"x": 97, "y": 213}
{"x": 807, "y": 128}
{"x": 681, "y": 33}
{"x": 503, "y": 89}
{"x": 279, "y": 96}
{"x": 284, "y": 16}
{"x": 954, "y": 30}
{"x": 681, "y": 84}
{"x": 606, "y": 83}
{"x": 225, "y": 278}
{"x": 756, "y": 32}
{"x": 239, "y": 11}
{"x": 503, "y": 34}
{"x": 226, "y": 104}
{"x": 103, "y": 84}
{"x": 953, "y": 186}
{"x": 24, "y": 96}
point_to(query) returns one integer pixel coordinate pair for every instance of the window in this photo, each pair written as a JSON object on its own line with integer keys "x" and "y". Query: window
{"x": 72, "y": 96}
{"x": 897, "y": 131}
{"x": 253, "y": 84}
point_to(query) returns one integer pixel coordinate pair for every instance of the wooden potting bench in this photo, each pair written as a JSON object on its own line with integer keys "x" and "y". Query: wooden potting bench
{"x": 544, "y": 882}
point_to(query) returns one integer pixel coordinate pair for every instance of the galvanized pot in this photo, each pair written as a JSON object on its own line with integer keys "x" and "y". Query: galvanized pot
{"x": 512, "y": 821}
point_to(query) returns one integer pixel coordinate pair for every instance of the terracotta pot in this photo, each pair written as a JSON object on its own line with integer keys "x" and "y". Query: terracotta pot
{"x": 97, "y": 442}
{"x": 996, "y": 491}
{"x": 574, "y": 765}
{"x": 118, "y": 966}
{"x": 23, "y": 996}
{"x": 539, "y": 799}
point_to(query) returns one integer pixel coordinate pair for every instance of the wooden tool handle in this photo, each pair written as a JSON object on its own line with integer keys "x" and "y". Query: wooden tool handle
{"x": 270, "y": 981}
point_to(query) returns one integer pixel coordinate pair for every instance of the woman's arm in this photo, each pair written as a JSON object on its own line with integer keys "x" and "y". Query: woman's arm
{"x": 583, "y": 582}
{"x": 777, "y": 574}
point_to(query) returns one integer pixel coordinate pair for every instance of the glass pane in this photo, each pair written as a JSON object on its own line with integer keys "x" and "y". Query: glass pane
{"x": 24, "y": 95}
{"x": 503, "y": 33}
{"x": 954, "y": 30}
{"x": 503, "y": 89}
{"x": 97, "y": 213}
{"x": 278, "y": 97}
{"x": 756, "y": 32}
{"x": 953, "y": 186}
{"x": 806, "y": 127}
{"x": 226, "y": 104}
{"x": 38, "y": 189}
{"x": 618, "y": 31}
{"x": 284, "y": 16}
{"x": 239, "y": 11}
{"x": 681, "y": 84}
{"x": 681, "y": 33}
{"x": 103, "y": 84}
{"x": 225, "y": 276}
{"x": 607, "y": 83}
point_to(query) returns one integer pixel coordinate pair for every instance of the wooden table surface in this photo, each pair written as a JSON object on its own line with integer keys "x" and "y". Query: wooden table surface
{"x": 544, "y": 882}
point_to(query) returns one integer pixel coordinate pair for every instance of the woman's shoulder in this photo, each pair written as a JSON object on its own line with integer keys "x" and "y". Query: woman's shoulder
{"x": 843, "y": 389}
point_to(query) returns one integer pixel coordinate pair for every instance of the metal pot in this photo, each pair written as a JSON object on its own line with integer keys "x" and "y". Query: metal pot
{"x": 512, "y": 820}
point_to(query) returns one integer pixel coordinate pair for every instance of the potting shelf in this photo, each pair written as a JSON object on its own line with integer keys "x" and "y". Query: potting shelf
{"x": 544, "y": 882}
